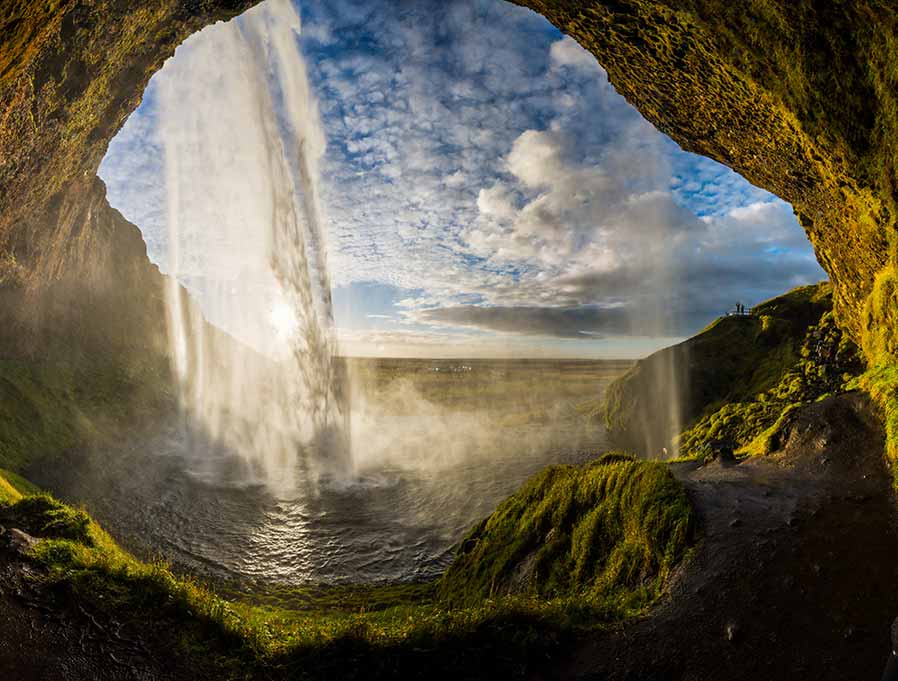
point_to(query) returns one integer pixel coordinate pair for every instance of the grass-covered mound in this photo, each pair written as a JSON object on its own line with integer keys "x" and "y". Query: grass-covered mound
{"x": 737, "y": 378}
{"x": 605, "y": 534}
{"x": 619, "y": 527}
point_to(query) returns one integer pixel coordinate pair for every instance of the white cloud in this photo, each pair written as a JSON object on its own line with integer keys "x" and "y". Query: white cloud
{"x": 567, "y": 52}
{"x": 497, "y": 166}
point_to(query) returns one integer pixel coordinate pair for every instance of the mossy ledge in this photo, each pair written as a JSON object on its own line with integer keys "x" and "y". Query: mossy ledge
{"x": 604, "y": 536}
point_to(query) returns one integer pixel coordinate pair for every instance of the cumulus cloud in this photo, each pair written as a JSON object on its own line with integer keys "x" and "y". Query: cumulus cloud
{"x": 481, "y": 160}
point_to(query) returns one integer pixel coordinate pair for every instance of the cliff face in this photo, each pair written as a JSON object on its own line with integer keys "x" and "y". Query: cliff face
{"x": 74, "y": 275}
{"x": 736, "y": 379}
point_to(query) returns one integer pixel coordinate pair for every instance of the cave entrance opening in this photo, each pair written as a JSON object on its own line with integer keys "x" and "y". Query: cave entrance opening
{"x": 454, "y": 188}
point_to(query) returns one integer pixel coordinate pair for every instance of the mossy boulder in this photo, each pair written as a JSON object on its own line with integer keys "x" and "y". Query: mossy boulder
{"x": 605, "y": 533}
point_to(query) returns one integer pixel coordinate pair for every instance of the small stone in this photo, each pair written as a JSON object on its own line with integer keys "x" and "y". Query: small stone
{"x": 21, "y": 542}
{"x": 732, "y": 631}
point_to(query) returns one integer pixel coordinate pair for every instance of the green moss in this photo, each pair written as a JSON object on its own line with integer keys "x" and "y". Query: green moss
{"x": 754, "y": 414}
{"x": 880, "y": 327}
{"x": 881, "y": 383}
{"x": 605, "y": 534}
{"x": 8, "y": 492}
{"x": 614, "y": 457}
{"x": 736, "y": 378}
{"x": 47, "y": 408}
{"x": 21, "y": 485}
{"x": 44, "y": 516}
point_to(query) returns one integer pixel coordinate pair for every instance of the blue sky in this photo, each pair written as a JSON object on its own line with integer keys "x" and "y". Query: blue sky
{"x": 487, "y": 192}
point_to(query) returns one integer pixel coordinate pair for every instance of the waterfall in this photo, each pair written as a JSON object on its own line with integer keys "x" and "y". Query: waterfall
{"x": 243, "y": 139}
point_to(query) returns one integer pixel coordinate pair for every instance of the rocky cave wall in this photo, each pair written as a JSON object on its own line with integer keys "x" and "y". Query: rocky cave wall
{"x": 799, "y": 96}
{"x": 75, "y": 279}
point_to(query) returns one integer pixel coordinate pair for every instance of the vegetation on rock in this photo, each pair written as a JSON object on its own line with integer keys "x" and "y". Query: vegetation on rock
{"x": 48, "y": 408}
{"x": 621, "y": 527}
{"x": 741, "y": 377}
{"x": 605, "y": 534}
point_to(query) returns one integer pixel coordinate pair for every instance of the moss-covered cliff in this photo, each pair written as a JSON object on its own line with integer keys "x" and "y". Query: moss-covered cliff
{"x": 735, "y": 379}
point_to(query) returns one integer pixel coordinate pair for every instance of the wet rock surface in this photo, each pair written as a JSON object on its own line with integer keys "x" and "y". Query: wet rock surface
{"x": 47, "y": 633}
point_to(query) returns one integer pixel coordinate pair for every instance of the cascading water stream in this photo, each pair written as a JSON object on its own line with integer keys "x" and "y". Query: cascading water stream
{"x": 248, "y": 174}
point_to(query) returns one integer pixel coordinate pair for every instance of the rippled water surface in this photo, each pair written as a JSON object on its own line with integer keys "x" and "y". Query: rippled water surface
{"x": 395, "y": 519}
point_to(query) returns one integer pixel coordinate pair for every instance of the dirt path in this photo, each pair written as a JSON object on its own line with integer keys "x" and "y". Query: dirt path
{"x": 796, "y": 576}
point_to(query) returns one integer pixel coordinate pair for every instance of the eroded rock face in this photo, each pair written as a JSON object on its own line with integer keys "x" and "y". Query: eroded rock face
{"x": 72, "y": 270}
{"x": 799, "y": 96}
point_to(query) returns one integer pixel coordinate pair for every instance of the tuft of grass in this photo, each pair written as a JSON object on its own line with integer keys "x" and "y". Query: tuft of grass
{"x": 20, "y": 484}
{"x": 8, "y": 491}
{"x": 605, "y": 535}
{"x": 42, "y": 515}
{"x": 881, "y": 383}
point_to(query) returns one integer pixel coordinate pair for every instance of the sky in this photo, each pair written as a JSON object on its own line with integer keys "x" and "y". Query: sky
{"x": 486, "y": 192}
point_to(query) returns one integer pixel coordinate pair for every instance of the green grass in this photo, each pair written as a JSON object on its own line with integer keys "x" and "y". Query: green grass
{"x": 753, "y": 415}
{"x": 881, "y": 383}
{"x": 8, "y": 492}
{"x": 737, "y": 378}
{"x": 605, "y": 535}
{"x": 619, "y": 527}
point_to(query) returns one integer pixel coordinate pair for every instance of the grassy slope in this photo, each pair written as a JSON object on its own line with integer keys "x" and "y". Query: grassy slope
{"x": 47, "y": 408}
{"x": 624, "y": 524}
{"x": 605, "y": 534}
{"x": 740, "y": 374}
{"x": 754, "y": 412}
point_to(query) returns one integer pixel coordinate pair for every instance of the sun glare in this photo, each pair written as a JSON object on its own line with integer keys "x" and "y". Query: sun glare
{"x": 283, "y": 319}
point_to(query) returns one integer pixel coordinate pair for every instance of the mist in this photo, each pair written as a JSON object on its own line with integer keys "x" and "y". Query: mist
{"x": 242, "y": 140}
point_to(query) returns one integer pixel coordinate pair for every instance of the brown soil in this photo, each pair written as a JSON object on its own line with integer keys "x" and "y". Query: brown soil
{"x": 795, "y": 577}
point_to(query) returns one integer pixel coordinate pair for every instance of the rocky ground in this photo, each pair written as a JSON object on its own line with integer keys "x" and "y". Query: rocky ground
{"x": 795, "y": 575}
{"x": 47, "y": 634}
